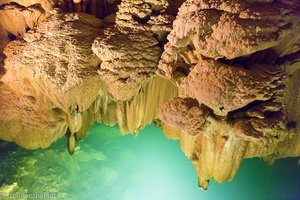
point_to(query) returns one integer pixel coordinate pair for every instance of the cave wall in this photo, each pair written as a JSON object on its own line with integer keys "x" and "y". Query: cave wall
{"x": 222, "y": 77}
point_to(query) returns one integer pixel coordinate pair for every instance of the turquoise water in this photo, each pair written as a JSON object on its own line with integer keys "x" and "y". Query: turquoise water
{"x": 108, "y": 166}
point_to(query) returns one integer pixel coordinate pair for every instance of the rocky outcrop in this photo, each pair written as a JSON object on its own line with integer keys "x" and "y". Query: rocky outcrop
{"x": 185, "y": 114}
{"x": 226, "y": 83}
{"x": 226, "y": 88}
{"x": 230, "y": 29}
{"x": 146, "y": 15}
{"x": 19, "y": 16}
{"x": 55, "y": 65}
{"x": 128, "y": 57}
{"x": 231, "y": 59}
{"x": 80, "y": 73}
{"x": 57, "y": 58}
{"x": 219, "y": 145}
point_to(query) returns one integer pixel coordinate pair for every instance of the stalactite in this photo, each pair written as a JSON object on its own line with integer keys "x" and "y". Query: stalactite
{"x": 142, "y": 109}
{"x": 226, "y": 84}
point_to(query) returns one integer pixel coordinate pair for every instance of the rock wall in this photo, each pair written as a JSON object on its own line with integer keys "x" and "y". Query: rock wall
{"x": 232, "y": 62}
{"x": 223, "y": 77}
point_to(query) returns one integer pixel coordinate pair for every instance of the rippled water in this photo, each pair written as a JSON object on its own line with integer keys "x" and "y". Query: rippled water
{"x": 108, "y": 166}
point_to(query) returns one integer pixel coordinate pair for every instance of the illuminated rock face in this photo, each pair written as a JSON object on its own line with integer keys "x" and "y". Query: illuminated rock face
{"x": 232, "y": 59}
{"x": 71, "y": 69}
{"x": 20, "y": 15}
{"x": 226, "y": 83}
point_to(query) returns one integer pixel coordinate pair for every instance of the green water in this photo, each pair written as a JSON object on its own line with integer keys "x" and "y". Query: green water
{"x": 108, "y": 166}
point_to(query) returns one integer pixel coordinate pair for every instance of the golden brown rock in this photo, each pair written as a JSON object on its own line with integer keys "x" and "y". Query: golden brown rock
{"x": 4, "y": 40}
{"x": 217, "y": 147}
{"x": 184, "y": 114}
{"x": 27, "y": 116}
{"x": 128, "y": 57}
{"x": 55, "y": 64}
{"x": 230, "y": 29}
{"x": 225, "y": 88}
{"x": 231, "y": 67}
{"x": 241, "y": 60}
{"x": 47, "y": 5}
{"x": 17, "y": 16}
{"x": 145, "y": 15}
{"x": 17, "y": 19}
{"x": 56, "y": 61}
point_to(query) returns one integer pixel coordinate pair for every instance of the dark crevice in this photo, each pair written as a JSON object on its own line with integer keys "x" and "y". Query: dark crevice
{"x": 191, "y": 46}
{"x": 2, "y": 7}
{"x": 221, "y": 108}
{"x": 2, "y": 70}
{"x": 250, "y": 105}
{"x": 27, "y": 29}
{"x": 290, "y": 58}
{"x": 157, "y": 122}
{"x": 155, "y": 12}
{"x": 100, "y": 9}
{"x": 234, "y": 115}
{"x": 173, "y": 7}
{"x": 123, "y": 80}
{"x": 184, "y": 70}
{"x": 182, "y": 67}
{"x": 190, "y": 102}
{"x": 11, "y": 36}
{"x": 267, "y": 56}
{"x": 161, "y": 38}
{"x": 141, "y": 20}
{"x": 292, "y": 125}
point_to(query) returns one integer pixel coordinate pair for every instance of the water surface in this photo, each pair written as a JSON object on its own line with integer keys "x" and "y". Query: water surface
{"x": 108, "y": 166}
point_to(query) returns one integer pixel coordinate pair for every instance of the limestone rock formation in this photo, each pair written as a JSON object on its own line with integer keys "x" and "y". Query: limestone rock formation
{"x": 225, "y": 82}
{"x": 52, "y": 65}
{"x": 57, "y": 58}
{"x": 185, "y": 114}
{"x": 147, "y": 14}
{"x": 230, "y": 29}
{"x": 233, "y": 58}
{"x": 128, "y": 57}
{"x": 18, "y": 16}
{"x": 226, "y": 88}
{"x": 81, "y": 73}
{"x": 4, "y": 35}
{"x": 218, "y": 147}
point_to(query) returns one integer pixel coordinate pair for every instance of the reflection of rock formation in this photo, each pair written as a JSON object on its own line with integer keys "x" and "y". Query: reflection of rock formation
{"x": 233, "y": 70}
